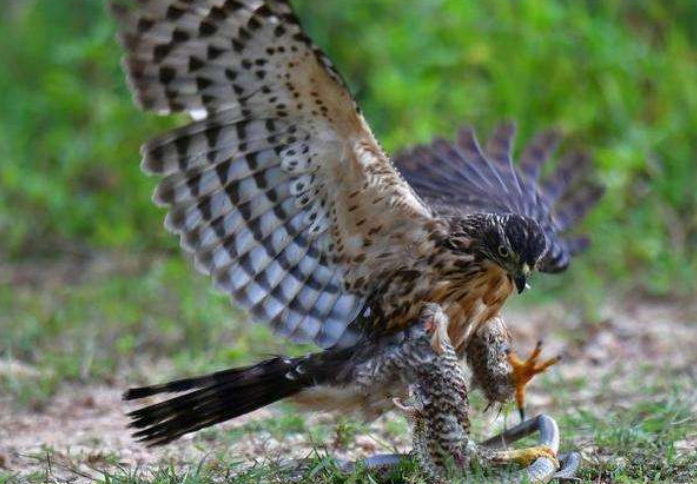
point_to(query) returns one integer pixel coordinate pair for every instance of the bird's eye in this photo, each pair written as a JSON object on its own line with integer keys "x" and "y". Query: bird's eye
{"x": 503, "y": 251}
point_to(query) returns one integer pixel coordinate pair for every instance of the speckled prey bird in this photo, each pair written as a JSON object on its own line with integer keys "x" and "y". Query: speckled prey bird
{"x": 283, "y": 196}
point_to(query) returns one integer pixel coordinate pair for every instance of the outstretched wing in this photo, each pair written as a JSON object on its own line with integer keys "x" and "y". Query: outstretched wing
{"x": 460, "y": 177}
{"x": 279, "y": 190}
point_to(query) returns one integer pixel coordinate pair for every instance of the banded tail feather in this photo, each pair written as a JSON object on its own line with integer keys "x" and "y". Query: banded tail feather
{"x": 224, "y": 395}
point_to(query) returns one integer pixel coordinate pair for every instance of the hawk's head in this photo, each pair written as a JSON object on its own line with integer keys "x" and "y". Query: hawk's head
{"x": 515, "y": 242}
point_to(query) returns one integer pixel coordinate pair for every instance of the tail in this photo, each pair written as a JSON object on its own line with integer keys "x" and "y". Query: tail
{"x": 221, "y": 396}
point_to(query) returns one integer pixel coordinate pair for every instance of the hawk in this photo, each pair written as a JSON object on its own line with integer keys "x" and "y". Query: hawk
{"x": 280, "y": 192}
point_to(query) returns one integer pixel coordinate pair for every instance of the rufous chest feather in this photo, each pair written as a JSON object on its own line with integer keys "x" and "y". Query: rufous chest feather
{"x": 469, "y": 296}
{"x": 471, "y": 303}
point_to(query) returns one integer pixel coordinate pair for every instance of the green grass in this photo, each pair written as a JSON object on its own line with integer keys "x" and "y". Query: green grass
{"x": 637, "y": 443}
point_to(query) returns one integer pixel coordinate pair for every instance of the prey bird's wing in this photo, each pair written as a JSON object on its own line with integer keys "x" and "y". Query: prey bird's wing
{"x": 460, "y": 177}
{"x": 279, "y": 190}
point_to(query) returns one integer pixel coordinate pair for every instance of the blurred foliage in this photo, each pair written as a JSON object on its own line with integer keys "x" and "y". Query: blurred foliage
{"x": 618, "y": 76}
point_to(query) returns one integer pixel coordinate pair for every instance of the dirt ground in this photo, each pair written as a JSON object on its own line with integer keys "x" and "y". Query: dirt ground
{"x": 84, "y": 428}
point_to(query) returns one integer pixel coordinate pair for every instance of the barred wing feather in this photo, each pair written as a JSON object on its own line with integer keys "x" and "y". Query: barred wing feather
{"x": 279, "y": 189}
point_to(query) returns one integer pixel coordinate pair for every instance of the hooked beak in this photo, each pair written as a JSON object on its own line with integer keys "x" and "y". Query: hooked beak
{"x": 520, "y": 283}
{"x": 521, "y": 279}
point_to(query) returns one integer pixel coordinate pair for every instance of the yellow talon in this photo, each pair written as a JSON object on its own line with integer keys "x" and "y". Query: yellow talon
{"x": 525, "y": 370}
{"x": 525, "y": 457}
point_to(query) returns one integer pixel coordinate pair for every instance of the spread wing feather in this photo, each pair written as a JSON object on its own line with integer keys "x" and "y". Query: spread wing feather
{"x": 278, "y": 190}
{"x": 460, "y": 177}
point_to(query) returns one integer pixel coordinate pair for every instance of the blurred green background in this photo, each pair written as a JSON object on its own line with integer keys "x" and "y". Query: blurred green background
{"x": 619, "y": 77}
{"x": 86, "y": 261}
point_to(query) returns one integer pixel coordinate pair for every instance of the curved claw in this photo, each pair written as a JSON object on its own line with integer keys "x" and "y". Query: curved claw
{"x": 544, "y": 468}
{"x": 526, "y": 370}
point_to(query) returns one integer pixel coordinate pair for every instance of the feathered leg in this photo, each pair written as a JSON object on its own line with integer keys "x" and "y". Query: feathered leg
{"x": 496, "y": 368}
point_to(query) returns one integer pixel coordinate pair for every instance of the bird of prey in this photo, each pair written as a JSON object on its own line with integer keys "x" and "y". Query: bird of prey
{"x": 281, "y": 193}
